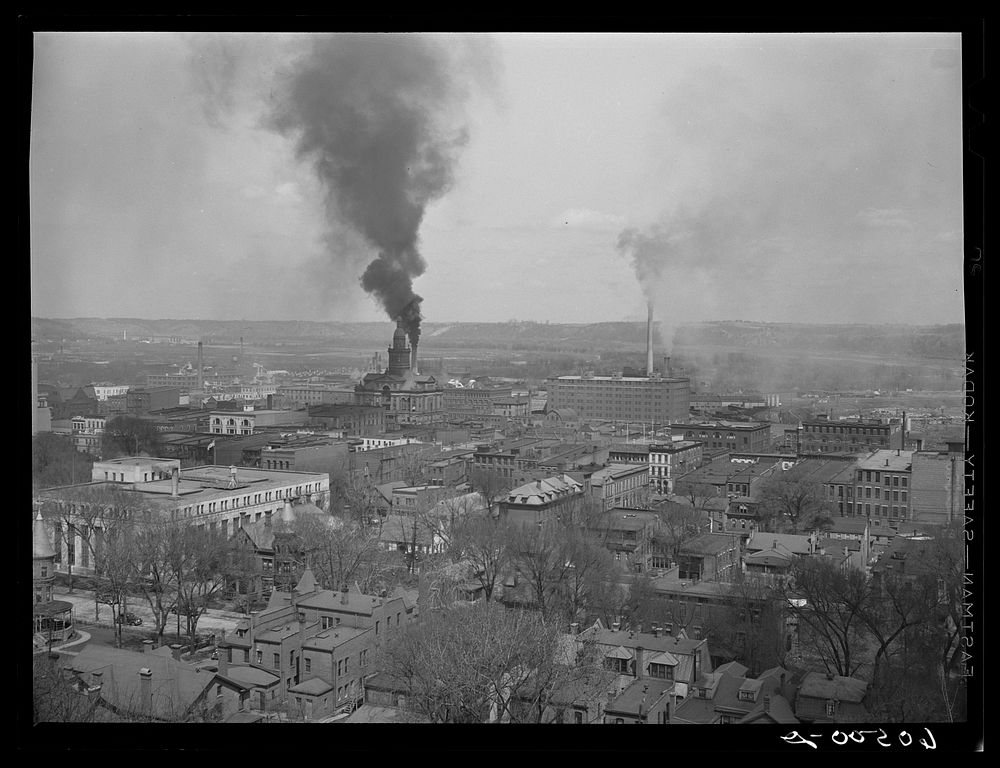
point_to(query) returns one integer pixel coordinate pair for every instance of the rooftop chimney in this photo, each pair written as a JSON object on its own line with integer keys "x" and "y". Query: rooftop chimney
{"x": 146, "y": 687}
{"x": 649, "y": 339}
{"x": 175, "y": 482}
{"x": 343, "y": 595}
{"x": 223, "y": 667}
{"x": 147, "y": 646}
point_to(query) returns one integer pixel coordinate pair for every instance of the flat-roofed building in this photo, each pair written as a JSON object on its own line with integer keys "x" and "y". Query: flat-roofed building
{"x": 315, "y": 394}
{"x": 218, "y": 498}
{"x": 620, "y": 485}
{"x": 882, "y": 486}
{"x": 645, "y": 399}
{"x": 937, "y": 493}
{"x": 746, "y": 437}
{"x": 249, "y": 422}
{"x": 847, "y": 436}
{"x": 185, "y": 381}
{"x": 144, "y": 400}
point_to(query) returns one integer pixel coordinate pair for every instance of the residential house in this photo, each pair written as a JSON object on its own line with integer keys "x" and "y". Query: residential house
{"x": 728, "y": 696}
{"x": 653, "y": 668}
{"x": 709, "y": 557}
{"x": 828, "y": 698}
{"x": 533, "y": 503}
{"x": 154, "y": 685}
{"x": 630, "y": 535}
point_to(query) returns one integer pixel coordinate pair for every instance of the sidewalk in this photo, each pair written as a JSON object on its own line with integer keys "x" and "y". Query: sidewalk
{"x": 84, "y": 610}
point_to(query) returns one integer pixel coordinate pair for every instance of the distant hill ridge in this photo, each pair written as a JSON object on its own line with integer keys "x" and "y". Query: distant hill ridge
{"x": 929, "y": 341}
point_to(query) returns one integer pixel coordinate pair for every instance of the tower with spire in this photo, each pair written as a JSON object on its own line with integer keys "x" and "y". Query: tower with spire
{"x": 43, "y": 561}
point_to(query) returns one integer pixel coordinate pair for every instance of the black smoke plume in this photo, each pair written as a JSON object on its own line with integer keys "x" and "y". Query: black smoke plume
{"x": 377, "y": 116}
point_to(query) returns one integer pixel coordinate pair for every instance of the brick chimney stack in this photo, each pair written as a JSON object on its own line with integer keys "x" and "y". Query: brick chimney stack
{"x": 146, "y": 688}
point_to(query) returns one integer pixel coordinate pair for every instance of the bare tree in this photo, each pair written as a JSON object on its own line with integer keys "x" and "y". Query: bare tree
{"x": 158, "y": 550}
{"x": 91, "y": 513}
{"x": 699, "y": 495}
{"x": 342, "y": 551}
{"x": 117, "y": 573}
{"x": 491, "y": 486}
{"x": 750, "y": 624}
{"x": 475, "y": 662}
{"x": 53, "y": 699}
{"x": 204, "y": 562}
{"x": 485, "y": 543}
{"x": 445, "y": 519}
{"x": 830, "y": 605}
{"x": 678, "y": 524}
{"x": 793, "y": 505}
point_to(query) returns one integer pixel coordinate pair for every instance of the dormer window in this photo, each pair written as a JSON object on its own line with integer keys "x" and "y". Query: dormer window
{"x": 661, "y": 671}
{"x": 747, "y": 696}
{"x": 831, "y": 707}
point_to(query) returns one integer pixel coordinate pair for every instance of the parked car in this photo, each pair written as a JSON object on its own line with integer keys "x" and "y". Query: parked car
{"x": 129, "y": 618}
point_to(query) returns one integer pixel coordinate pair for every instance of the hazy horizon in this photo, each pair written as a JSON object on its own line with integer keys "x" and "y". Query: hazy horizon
{"x": 568, "y": 178}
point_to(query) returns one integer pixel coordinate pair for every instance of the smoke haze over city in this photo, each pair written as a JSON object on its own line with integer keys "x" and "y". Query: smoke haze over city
{"x": 563, "y": 178}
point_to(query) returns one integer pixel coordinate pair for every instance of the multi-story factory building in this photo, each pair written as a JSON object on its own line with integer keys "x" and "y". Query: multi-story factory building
{"x": 648, "y": 399}
{"x": 849, "y": 436}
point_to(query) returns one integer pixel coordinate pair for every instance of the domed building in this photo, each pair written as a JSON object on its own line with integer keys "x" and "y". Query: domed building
{"x": 408, "y": 397}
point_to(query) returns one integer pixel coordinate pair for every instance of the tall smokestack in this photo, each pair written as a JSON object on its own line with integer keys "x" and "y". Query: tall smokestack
{"x": 649, "y": 339}
{"x": 201, "y": 367}
{"x": 413, "y": 356}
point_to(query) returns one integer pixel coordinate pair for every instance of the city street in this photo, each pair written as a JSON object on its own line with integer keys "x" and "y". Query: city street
{"x": 84, "y": 610}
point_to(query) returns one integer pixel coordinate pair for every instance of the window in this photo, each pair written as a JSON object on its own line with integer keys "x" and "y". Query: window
{"x": 578, "y": 717}
{"x": 903, "y": 481}
{"x": 831, "y": 707}
{"x": 260, "y": 656}
{"x": 662, "y": 671}
{"x": 277, "y": 660}
{"x": 621, "y": 666}
{"x": 308, "y": 664}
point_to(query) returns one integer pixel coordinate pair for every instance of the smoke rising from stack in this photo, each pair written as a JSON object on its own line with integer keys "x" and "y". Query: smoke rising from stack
{"x": 378, "y": 116}
{"x": 768, "y": 183}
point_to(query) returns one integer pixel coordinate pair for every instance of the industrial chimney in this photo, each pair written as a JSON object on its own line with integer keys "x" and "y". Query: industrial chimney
{"x": 201, "y": 368}
{"x": 413, "y": 357}
{"x": 649, "y": 339}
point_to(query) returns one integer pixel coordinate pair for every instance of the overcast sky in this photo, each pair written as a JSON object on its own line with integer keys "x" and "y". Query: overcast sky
{"x": 787, "y": 178}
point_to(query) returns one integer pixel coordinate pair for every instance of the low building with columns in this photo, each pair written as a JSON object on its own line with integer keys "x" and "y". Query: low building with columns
{"x": 219, "y": 498}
